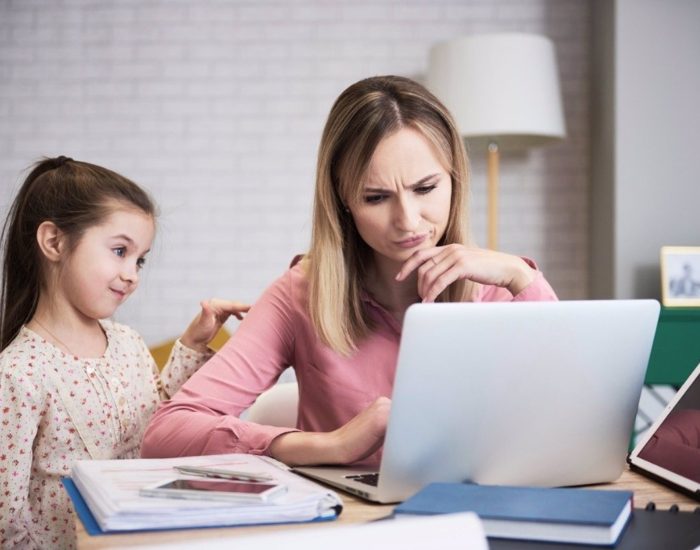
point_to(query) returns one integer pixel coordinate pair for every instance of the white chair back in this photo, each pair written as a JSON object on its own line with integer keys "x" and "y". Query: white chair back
{"x": 276, "y": 406}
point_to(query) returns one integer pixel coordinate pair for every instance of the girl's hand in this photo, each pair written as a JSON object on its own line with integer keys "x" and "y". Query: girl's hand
{"x": 354, "y": 441}
{"x": 207, "y": 323}
{"x": 441, "y": 266}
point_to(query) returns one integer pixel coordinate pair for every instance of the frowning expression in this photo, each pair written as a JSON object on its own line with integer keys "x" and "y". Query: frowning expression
{"x": 405, "y": 201}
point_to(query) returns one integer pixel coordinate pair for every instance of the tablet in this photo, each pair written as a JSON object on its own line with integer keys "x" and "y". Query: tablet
{"x": 670, "y": 450}
{"x": 214, "y": 489}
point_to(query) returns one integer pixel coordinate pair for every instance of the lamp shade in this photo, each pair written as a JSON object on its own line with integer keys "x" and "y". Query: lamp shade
{"x": 500, "y": 88}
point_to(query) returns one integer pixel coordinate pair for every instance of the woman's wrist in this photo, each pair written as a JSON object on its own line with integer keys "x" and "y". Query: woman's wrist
{"x": 523, "y": 275}
{"x": 304, "y": 448}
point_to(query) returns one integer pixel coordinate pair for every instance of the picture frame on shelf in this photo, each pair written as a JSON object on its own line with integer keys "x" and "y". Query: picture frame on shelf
{"x": 680, "y": 276}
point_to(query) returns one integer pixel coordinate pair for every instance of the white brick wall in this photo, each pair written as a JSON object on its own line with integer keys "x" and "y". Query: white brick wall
{"x": 216, "y": 107}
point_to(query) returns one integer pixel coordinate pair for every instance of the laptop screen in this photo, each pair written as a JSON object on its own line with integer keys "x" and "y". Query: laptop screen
{"x": 523, "y": 393}
{"x": 674, "y": 441}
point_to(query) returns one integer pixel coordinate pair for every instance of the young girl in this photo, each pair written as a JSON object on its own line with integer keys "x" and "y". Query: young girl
{"x": 72, "y": 384}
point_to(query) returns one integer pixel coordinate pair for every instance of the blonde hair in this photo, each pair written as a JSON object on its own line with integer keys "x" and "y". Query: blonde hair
{"x": 338, "y": 261}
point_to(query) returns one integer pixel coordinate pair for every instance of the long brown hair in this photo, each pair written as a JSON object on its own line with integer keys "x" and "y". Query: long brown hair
{"x": 73, "y": 195}
{"x": 363, "y": 115}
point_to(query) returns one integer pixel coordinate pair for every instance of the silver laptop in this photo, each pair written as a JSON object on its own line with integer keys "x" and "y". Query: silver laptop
{"x": 527, "y": 393}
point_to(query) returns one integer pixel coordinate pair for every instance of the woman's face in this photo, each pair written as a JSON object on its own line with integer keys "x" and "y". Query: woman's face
{"x": 405, "y": 202}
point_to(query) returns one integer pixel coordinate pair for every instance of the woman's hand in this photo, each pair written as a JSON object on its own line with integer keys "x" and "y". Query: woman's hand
{"x": 207, "y": 323}
{"x": 441, "y": 266}
{"x": 350, "y": 443}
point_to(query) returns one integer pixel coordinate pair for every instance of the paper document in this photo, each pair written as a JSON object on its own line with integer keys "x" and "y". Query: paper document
{"x": 446, "y": 532}
{"x": 111, "y": 488}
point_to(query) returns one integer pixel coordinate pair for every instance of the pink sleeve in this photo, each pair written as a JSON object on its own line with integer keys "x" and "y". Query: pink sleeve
{"x": 539, "y": 290}
{"x": 202, "y": 418}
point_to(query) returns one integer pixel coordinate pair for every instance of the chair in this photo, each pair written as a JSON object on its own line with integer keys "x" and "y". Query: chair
{"x": 278, "y": 406}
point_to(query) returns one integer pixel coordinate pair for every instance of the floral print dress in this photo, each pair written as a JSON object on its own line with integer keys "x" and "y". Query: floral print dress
{"x": 56, "y": 408}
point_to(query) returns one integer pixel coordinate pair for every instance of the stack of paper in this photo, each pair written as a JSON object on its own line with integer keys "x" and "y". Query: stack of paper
{"x": 110, "y": 489}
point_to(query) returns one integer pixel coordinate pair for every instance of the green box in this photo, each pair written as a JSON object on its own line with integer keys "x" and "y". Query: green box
{"x": 676, "y": 349}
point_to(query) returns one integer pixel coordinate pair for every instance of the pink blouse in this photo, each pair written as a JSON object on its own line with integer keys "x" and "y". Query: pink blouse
{"x": 202, "y": 418}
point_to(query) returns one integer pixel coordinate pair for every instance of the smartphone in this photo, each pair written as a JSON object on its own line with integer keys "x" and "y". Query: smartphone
{"x": 214, "y": 489}
{"x": 207, "y": 471}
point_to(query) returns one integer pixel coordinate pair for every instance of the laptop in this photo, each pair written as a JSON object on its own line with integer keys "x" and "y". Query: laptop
{"x": 521, "y": 393}
{"x": 670, "y": 450}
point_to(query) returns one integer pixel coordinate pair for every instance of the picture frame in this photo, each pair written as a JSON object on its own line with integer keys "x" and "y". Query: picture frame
{"x": 680, "y": 276}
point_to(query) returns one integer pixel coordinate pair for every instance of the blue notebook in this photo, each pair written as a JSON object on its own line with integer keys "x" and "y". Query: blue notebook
{"x": 93, "y": 528}
{"x": 581, "y": 516}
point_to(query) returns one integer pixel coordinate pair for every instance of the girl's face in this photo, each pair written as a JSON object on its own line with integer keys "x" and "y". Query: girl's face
{"x": 102, "y": 271}
{"x": 405, "y": 204}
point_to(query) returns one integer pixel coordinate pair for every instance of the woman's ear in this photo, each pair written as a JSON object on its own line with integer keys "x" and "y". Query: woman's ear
{"x": 51, "y": 241}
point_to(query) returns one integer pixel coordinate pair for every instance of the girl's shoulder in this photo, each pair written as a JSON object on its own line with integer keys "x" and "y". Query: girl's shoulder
{"x": 27, "y": 342}
{"x": 25, "y": 357}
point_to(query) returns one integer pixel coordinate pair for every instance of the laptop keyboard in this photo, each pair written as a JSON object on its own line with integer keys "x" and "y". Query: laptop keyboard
{"x": 369, "y": 479}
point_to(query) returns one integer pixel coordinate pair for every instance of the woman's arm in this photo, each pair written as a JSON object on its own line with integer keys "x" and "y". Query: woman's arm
{"x": 350, "y": 443}
{"x": 203, "y": 417}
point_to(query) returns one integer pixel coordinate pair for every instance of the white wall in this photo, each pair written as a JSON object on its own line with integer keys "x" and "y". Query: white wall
{"x": 657, "y": 137}
{"x": 217, "y": 107}
{"x": 646, "y": 184}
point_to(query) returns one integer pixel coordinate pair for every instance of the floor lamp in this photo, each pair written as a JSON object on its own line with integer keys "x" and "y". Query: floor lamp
{"x": 503, "y": 91}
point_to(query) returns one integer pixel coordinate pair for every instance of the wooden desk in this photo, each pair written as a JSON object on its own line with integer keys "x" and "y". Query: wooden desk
{"x": 358, "y": 511}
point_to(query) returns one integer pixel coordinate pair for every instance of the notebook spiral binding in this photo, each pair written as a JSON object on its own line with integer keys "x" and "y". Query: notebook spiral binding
{"x": 651, "y": 507}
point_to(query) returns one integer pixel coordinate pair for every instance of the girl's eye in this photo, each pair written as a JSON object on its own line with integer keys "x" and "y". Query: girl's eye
{"x": 425, "y": 189}
{"x": 374, "y": 199}
{"x": 140, "y": 263}
{"x": 120, "y": 251}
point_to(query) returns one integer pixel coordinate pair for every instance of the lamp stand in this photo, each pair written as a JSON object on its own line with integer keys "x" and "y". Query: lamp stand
{"x": 492, "y": 173}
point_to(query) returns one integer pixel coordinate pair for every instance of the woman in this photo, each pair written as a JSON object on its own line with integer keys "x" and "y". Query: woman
{"x": 389, "y": 230}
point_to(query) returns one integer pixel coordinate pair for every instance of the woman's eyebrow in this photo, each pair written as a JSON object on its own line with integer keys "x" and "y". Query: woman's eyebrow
{"x": 420, "y": 182}
{"x": 424, "y": 180}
